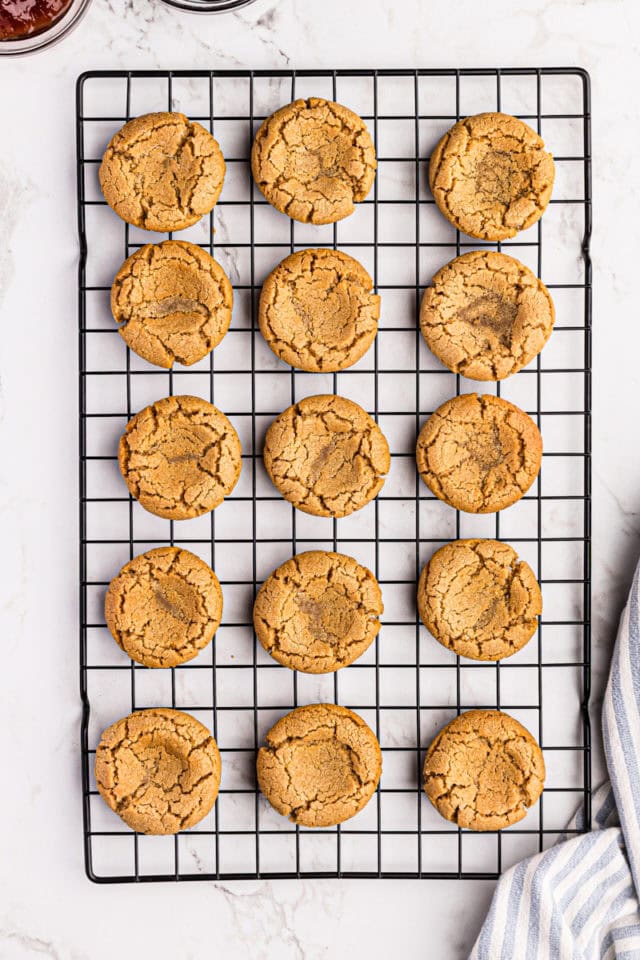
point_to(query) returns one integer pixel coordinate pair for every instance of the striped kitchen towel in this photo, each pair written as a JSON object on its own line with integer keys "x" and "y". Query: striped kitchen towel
{"x": 579, "y": 899}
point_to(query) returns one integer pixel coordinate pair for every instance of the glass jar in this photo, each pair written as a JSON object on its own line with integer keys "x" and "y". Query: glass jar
{"x": 42, "y": 24}
{"x": 208, "y": 6}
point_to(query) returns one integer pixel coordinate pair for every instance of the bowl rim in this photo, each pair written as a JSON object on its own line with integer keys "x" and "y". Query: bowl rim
{"x": 207, "y": 6}
{"x": 32, "y": 43}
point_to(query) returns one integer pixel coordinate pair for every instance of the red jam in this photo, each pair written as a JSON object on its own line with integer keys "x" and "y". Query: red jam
{"x": 23, "y": 18}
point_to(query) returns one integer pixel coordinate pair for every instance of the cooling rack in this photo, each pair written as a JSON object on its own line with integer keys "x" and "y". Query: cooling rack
{"x": 406, "y": 686}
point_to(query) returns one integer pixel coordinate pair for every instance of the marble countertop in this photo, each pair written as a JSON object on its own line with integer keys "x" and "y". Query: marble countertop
{"x": 47, "y": 907}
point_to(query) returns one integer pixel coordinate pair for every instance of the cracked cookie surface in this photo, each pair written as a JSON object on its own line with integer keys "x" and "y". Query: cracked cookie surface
{"x": 313, "y": 159}
{"x": 163, "y": 607}
{"x": 317, "y": 310}
{"x": 326, "y": 455}
{"x": 486, "y": 315}
{"x": 172, "y": 302}
{"x": 318, "y": 611}
{"x": 162, "y": 172}
{"x": 180, "y": 457}
{"x": 478, "y": 599}
{"x": 484, "y": 770}
{"x": 159, "y": 770}
{"x": 491, "y": 176}
{"x": 479, "y": 453}
{"x": 320, "y": 765}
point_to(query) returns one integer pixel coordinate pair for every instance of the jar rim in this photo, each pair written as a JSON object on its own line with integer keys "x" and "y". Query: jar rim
{"x": 48, "y": 36}
{"x": 207, "y": 6}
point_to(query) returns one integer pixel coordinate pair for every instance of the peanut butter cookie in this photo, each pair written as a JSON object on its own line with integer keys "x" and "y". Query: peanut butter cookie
{"x": 486, "y": 315}
{"x": 159, "y": 770}
{"x": 484, "y": 770}
{"x": 478, "y": 599}
{"x": 163, "y": 607}
{"x": 162, "y": 172}
{"x": 180, "y": 457}
{"x": 490, "y": 176}
{"x": 320, "y": 765}
{"x": 326, "y": 456}
{"x": 479, "y": 454}
{"x": 314, "y": 159}
{"x": 172, "y": 301}
{"x": 317, "y": 311}
{"x": 318, "y": 612}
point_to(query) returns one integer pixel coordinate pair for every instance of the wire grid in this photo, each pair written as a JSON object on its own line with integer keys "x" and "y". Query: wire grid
{"x": 406, "y": 686}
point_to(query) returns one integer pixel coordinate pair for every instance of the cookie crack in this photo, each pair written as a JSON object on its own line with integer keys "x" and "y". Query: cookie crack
{"x": 161, "y": 171}
{"x": 480, "y": 458}
{"x": 495, "y": 619}
{"x": 314, "y": 176}
{"x": 483, "y": 771}
{"x": 327, "y": 464}
{"x": 491, "y": 182}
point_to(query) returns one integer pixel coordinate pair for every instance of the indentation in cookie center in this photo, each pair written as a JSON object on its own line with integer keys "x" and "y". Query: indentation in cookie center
{"x": 170, "y": 598}
{"x": 333, "y": 758}
{"x": 493, "y": 312}
{"x": 161, "y": 765}
{"x": 485, "y": 447}
{"x": 486, "y": 614}
{"x": 182, "y": 457}
{"x": 499, "y": 179}
{"x": 323, "y": 456}
{"x": 169, "y": 306}
{"x": 330, "y": 618}
{"x": 322, "y": 161}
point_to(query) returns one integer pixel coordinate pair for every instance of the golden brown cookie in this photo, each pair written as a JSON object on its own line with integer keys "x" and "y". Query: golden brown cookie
{"x": 317, "y": 310}
{"x": 180, "y": 457}
{"x": 478, "y": 599}
{"x": 490, "y": 176}
{"x": 479, "y": 453}
{"x": 172, "y": 301}
{"x": 326, "y": 456}
{"x": 159, "y": 770}
{"x": 163, "y": 607}
{"x": 318, "y": 611}
{"x": 484, "y": 770}
{"x": 314, "y": 159}
{"x": 320, "y": 765}
{"x": 486, "y": 315}
{"x": 162, "y": 172}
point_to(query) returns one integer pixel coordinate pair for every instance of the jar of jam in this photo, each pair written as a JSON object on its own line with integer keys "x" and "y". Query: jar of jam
{"x": 208, "y": 6}
{"x": 29, "y": 25}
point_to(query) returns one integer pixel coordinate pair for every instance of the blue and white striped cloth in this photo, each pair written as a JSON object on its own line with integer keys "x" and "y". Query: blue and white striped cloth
{"x": 579, "y": 900}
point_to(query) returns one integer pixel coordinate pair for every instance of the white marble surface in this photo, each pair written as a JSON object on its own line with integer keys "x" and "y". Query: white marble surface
{"x": 47, "y": 907}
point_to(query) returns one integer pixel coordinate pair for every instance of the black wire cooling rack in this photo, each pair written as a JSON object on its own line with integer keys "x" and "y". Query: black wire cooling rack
{"x": 406, "y": 686}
